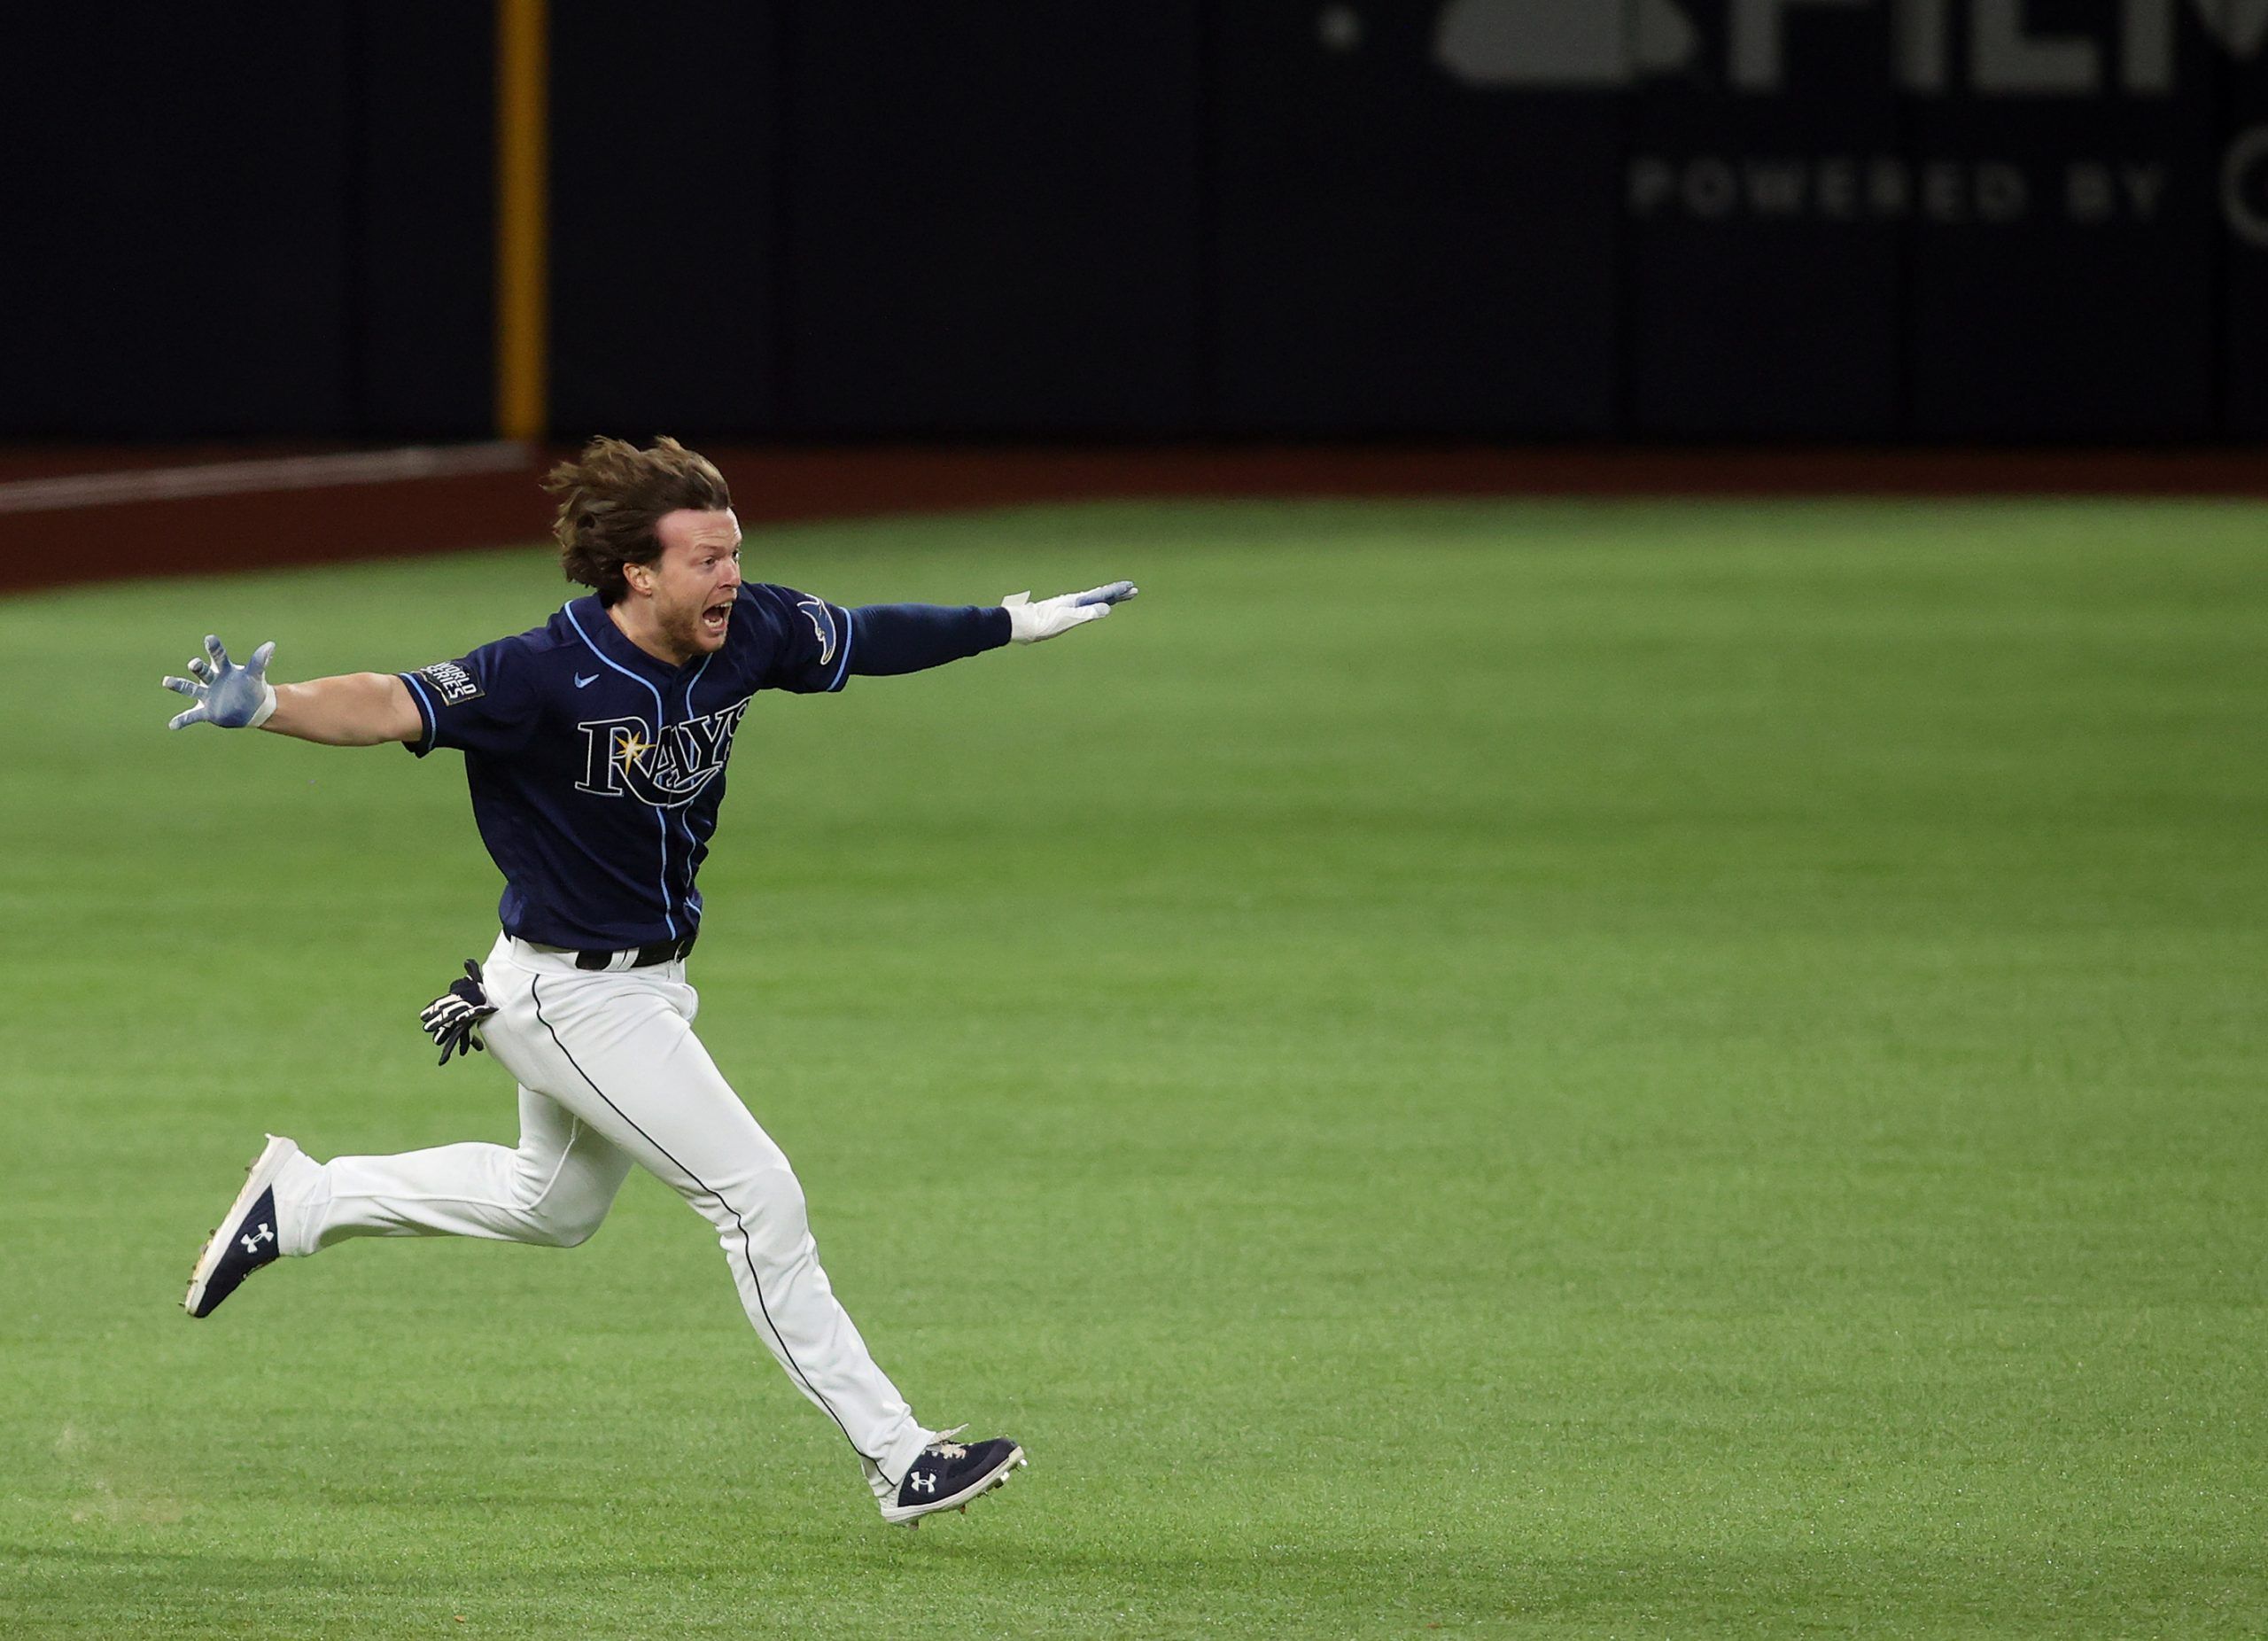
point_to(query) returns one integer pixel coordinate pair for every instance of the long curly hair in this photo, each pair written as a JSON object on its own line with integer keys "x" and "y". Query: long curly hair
{"x": 610, "y": 498}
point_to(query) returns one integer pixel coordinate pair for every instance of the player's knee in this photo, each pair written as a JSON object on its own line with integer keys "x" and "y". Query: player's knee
{"x": 777, "y": 1197}
{"x": 761, "y": 1175}
{"x": 564, "y": 1236}
{"x": 765, "y": 1204}
{"x": 553, "y": 1228}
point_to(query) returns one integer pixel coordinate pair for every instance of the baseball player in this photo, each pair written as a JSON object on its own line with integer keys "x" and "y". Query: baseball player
{"x": 595, "y": 748}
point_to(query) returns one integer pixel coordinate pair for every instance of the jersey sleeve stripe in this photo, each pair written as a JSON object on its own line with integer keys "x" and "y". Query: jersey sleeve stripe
{"x": 425, "y": 708}
{"x": 849, "y": 633}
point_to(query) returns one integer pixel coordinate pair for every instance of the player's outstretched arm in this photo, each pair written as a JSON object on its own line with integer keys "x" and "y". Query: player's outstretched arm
{"x": 354, "y": 709}
{"x": 912, "y": 638}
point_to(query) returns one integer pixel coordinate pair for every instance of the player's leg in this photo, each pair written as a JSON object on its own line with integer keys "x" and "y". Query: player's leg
{"x": 620, "y": 1050}
{"x": 552, "y": 1189}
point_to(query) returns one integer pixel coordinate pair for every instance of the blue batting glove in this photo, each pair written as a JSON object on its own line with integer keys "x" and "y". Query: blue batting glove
{"x": 227, "y": 696}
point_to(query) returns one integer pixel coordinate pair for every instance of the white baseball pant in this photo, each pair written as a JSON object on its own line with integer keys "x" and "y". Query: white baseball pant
{"x": 611, "y": 1073}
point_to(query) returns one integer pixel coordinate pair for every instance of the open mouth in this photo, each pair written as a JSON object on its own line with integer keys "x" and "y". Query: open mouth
{"x": 714, "y": 617}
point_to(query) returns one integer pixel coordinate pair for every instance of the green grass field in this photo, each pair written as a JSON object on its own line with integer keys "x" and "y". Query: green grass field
{"x": 1529, "y": 1069}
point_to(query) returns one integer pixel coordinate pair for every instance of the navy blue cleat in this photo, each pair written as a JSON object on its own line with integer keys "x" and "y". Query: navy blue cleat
{"x": 247, "y": 1239}
{"x": 949, "y": 1474}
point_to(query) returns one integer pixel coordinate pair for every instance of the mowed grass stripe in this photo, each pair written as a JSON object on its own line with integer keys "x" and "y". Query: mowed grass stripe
{"x": 1574, "y": 1069}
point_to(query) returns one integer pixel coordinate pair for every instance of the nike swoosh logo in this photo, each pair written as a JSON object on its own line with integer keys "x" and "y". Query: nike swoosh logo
{"x": 582, "y": 682}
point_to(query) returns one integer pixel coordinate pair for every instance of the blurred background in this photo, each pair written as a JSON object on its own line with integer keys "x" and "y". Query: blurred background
{"x": 1559, "y": 223}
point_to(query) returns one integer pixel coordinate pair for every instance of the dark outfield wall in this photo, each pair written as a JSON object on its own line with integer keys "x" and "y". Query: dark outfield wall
{"x": 1858, "y": 219}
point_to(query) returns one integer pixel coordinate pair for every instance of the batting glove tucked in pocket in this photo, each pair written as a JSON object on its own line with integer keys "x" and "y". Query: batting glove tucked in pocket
{"x": 453, "y": 1019}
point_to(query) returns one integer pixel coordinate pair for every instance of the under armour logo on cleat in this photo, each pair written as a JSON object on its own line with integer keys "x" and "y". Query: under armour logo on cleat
{"x": 920, "y": 1483}
{"x": 251, "y": 1243}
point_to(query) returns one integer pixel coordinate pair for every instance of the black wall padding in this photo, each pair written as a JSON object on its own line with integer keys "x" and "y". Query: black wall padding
{"x": 1930, "y": 221}
{"x": 2095, "y": 314}
{"x": 177, "y": 210}
{"x": 420, "y": 283}
{"x": 1395, "y": 251}
{"x": 1763, "y": 269}
{"x": 2243, "y": 180}
{"x": 666, "y": 195}
{"x": 992, "y": 217}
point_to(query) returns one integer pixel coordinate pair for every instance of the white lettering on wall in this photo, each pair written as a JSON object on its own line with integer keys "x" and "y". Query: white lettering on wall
{"x": 1759, "y": 55}
{"x": 1920, "y": 31}
{"x": 2003, "y": 58}
{"x": 2146, "y": 46}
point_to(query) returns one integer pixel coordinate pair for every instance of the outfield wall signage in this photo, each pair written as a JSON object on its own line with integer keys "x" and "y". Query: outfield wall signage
{"x": 2009, "y": 221}
{"x": 1984, "y": 49}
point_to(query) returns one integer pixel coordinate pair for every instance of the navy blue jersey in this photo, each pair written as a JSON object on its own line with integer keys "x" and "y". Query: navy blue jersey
{"x": 596, "y": 770}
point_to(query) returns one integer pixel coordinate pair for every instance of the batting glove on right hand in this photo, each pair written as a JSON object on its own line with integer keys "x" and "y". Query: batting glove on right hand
{"x": 453, "y": 1019}
{"x": 227, "y": 696}
{"x": 1029, "y": 622}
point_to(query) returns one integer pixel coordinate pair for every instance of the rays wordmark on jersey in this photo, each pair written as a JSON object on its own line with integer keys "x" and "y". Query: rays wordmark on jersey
{"x": 624, "y": 756}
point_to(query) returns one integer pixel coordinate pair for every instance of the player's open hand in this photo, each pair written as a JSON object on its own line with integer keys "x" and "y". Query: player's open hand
{"x": 228, "y": 695}
{"x": 1029, "y": 622}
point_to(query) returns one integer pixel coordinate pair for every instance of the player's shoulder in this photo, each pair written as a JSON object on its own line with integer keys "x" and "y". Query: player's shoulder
{"x": 503, "y": 651}
{"x": 794, "y": 614}
{"x": 767, "y": 595}
{"x": 773, "y": 610}
{"x": 523, "y": 658}
{"x": 538, "y": 643}
{"x": 569, "y": 627}
{"x": 785, "y": 604}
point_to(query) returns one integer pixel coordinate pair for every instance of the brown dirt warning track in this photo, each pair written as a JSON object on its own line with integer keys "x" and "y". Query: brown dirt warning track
{"x": 87, "y": 513}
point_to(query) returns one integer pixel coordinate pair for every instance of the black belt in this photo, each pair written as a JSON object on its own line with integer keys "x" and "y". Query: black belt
{"x": 660, "y": 952}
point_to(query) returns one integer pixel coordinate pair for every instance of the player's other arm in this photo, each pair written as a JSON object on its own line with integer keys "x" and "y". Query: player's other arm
{"x": 354, "y": 709}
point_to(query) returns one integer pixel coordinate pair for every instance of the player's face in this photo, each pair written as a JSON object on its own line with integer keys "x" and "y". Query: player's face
{"x": 696, "y": 579}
